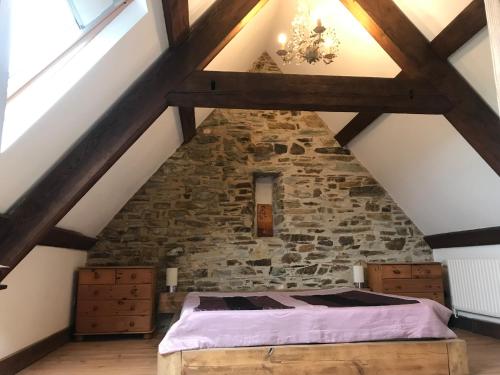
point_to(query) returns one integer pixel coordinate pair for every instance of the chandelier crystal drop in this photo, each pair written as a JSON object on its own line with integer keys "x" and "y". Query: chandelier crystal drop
{"x": 311, "y": 41}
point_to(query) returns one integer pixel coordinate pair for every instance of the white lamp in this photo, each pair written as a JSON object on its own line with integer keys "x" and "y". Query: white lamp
{"x": 358, "y": 275}
{"x": 171, "y": 279}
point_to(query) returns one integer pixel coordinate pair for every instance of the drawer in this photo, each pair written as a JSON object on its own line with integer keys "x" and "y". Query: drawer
{"x": 96, "y": 276}
{"x": 106, "y": 292}
{"x": 435, "y": 296}
{"x": 409, "y": 285}
{"x": 116, "y": 307}
{"x": 134, "y": 276}
{"x": 427, "y": 271}
{"x": 396, "y": 271}
{"x": 113, "y": 324}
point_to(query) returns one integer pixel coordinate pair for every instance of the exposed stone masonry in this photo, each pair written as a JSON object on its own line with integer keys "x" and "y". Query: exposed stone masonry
{"x": 197, "y": 211}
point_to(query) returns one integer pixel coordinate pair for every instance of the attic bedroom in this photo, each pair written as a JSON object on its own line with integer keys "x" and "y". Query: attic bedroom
{"x": 249, "y": 186}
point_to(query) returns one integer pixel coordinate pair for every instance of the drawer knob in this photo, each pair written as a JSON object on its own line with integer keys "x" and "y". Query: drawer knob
{"x": 397, "y": 272}
{"x": 133, "y": 291}
{"x": 131, "y": 324}
{"x": 133, "y": 276}
{"x": 132, "y": 308}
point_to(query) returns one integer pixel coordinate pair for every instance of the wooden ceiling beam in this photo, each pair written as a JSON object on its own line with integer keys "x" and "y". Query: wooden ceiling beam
{"x": 56, "y": 237}
{"x": 459, "y": 31}
{"x": 475, "y": 237}
{"x": 464, "y": 27}
{"x": 307, "y": 93}
{"x": 64, "y": 185}
{"x": 176, "y": 13}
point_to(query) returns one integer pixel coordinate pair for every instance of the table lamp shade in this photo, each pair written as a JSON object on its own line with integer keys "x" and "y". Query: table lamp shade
{"x": 358, "y": 274}
{"x": 171, "y": 277}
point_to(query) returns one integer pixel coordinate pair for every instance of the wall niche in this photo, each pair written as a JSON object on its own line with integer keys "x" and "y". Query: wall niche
{"x": 267, "y": 195}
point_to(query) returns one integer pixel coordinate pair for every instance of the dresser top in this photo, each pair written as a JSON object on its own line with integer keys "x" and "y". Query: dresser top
{"x": 115, "y": 267}
{"x": 402, "y": 263}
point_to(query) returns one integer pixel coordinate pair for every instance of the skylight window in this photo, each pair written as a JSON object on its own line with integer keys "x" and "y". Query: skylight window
{"x": 41, "y": 31}
{"x": 51, "y": 45}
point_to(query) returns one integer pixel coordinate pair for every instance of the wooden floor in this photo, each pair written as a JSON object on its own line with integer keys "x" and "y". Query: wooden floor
{"x": 138, "y": 357}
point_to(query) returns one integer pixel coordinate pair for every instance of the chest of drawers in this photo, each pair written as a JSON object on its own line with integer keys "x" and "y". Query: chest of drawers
{"x": 420, "y": 280}
{"x": 115, "y": 300}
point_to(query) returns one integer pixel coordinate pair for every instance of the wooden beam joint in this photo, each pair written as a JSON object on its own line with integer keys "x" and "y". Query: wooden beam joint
{"x": 467, "y": 24}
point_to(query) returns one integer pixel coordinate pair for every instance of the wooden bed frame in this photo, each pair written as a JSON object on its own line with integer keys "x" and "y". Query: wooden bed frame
{"x": 412, "y": 357}
{"x": 436, "y": 357}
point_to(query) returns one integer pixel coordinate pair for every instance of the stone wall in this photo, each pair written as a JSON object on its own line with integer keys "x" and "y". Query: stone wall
{"x": 197, "y": 211}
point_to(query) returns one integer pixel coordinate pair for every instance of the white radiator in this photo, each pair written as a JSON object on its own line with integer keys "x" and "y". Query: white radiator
{"x": 475, "y": 287}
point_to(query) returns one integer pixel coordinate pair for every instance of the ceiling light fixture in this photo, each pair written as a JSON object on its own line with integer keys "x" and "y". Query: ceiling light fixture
{"x": 311, "y": 41}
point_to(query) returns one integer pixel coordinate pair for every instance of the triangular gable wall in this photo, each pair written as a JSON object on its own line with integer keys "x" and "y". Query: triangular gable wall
{"x": 197, "y": 211}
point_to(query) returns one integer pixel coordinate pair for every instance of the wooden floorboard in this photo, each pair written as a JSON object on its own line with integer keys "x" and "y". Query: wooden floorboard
{"x": 138, "y": 357}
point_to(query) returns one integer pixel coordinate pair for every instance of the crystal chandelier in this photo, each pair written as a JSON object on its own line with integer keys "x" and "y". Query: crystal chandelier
{"x": 311, "y": 41}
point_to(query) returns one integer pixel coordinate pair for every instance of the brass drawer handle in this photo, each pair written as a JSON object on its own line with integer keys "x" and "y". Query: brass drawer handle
{"x": 397, "y": 272}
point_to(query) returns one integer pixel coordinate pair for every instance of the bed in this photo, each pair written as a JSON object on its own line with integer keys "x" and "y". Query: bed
{"x": 311, "y": 332}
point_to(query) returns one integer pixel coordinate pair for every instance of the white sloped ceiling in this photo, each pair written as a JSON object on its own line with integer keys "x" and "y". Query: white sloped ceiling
{"x": 427, "y": 167}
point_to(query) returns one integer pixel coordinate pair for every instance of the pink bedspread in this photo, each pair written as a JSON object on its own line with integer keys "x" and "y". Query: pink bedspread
{"x": 305, "y": 324}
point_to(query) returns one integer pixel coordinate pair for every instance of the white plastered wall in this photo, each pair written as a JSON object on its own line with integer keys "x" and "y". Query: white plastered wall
{"x": 38, "y": 300}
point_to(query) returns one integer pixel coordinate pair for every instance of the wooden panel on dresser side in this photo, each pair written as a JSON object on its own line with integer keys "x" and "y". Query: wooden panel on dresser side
{"x": 375, "y": 277}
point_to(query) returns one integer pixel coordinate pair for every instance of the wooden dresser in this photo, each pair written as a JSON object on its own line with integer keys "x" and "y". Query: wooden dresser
{"x": 421, "y": 280}
{"x": 115, "y": 300}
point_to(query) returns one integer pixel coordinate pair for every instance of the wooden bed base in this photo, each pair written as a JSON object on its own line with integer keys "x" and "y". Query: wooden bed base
{"x": 437, "y": 357}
